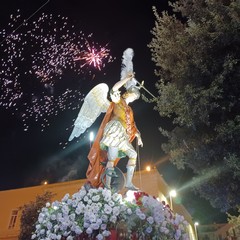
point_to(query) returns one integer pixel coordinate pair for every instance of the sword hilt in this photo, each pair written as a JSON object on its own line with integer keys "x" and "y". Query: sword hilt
{"x": 141, "y": 85}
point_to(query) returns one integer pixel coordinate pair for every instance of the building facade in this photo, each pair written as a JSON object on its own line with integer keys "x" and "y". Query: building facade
{"x": 150, "y": 182}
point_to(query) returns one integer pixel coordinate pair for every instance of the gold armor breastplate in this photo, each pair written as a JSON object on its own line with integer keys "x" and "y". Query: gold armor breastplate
{"x": 123, "y": 113}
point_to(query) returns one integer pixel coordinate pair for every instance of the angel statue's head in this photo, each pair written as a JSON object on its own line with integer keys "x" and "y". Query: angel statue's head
{"x": 131, "y": 94}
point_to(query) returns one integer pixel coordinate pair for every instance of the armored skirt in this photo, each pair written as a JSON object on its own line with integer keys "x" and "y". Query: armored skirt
{"x": 115, "y": 135}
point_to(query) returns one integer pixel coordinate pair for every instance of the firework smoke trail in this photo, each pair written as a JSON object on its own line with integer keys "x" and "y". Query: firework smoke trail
{"x": 34, "y": 61}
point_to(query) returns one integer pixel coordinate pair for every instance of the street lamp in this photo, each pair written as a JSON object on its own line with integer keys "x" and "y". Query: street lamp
{"x": 148, "y": 168}
{"x": 195, "y": 228}
{"x": 91, "y": 137}
{"x": 172, "y": 194}
{"x": 45, "y": 182}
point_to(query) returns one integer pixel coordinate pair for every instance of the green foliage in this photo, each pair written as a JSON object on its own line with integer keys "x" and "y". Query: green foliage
{"x": 235, "y": 220}
{"x": 30, "y": 214}
{"x": 196, "y": 51}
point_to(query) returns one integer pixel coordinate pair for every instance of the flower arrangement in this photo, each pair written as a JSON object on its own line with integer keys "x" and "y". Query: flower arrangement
{"x": 153, "y": 219}
{"x": 94, "y": 213}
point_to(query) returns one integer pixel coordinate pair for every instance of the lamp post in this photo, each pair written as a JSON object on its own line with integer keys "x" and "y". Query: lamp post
{"x": 195, "y": 228}
{"x": 172, "y": 194}
{"x": 91, "y": 137}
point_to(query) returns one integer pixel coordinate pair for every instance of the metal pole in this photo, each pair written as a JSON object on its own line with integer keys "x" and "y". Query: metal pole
{"x": 196, "y": 232}
{"x": 171, "y": 205}
{"x": 172, "y": 194}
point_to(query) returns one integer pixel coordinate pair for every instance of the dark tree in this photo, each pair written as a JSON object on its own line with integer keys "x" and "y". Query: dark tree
{"x": 30, "y": 214}
{"x": 196, "y": 50}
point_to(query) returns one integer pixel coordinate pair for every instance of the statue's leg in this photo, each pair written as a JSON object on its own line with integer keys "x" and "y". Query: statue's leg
{"x": 112, "y": 155}
{"x": 131, "y": 153}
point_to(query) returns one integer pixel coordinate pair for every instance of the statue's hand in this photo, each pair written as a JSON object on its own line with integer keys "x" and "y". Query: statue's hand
{"x": 139, "y": 139}
{"x": 140, "y": 143}
{"x": 130, "y": 75}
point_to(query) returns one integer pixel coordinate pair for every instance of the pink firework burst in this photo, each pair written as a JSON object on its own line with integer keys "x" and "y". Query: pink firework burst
{"x": 93, "y": 57}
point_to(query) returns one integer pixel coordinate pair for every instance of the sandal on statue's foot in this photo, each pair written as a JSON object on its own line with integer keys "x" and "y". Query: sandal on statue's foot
{"x": 132, "y": 187}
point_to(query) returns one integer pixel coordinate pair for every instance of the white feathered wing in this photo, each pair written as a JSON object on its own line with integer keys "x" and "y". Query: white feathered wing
{"x": 94, "y": 104}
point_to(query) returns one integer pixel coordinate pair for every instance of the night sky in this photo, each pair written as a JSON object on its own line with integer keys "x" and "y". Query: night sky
{"x": 41, "y": 154}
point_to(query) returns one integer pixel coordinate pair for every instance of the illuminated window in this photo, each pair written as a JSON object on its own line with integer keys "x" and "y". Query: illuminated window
{"x": 13, "y": 219}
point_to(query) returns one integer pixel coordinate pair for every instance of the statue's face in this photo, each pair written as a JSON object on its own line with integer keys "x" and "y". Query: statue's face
{"x": 116, "y": 96}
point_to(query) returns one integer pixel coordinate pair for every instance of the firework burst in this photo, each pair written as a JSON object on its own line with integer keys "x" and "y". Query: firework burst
{"x": 35, "y": 60}
{"x": 93, "y": 57}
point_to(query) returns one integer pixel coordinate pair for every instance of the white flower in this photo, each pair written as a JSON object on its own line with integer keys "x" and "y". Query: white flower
{"x": 78, "y": 211}
{"x": 72, "y": 217}
{"x": 107, "y": 209}
{"x": 142, "y": 216}
{"x": 113, "y": 219}
{"x": 107, "y": 198}
{"x": 177, "y": 234}
{"x": 74, "y": 203}
{"x": 65, "y": 198}
{"x": 150, "y": 220}
{"x": 82, "y": 192}
{"x": 85, "y": 198}
{"x": 99, "y": 204}
{"x": 89, "y": 230}
{"x": 38, "y": 226}
{"x": 53, "y": 217}
{"x": 53, "y": 236}
{"x": 96, "y": 198}
{"x": 99, "y": 236}
{"x": 103, "y": 226}
{"x": 129, "y": 211}
{"x": 111, "y": 203}
{"x": 56, "y": 227}
{"x": 69, "y": 201}
{"x": 95, "y": 208}
{"x": 40, "y": 219}
{"x": 92, "y": 217}
{"x": 78, "y": 230}
{"x": 59, "y": 215}
{"x": 107, "y": 194}
{"x": 95, "y": 226}
{"x": 33, "y": 236}
{"x": 159, "y": 218}
{"x": 149, "y": 229}
{"x": 65, "y": 234}
{"x": 86, "y": 224}
{"x": 138, "y": 211}
{"x": 99, "y": 221}
{"x": 117, "y": 197}
{"x": 65, "y": 209}
{"x": 116, "y": 211}
{"x": 104, "y": 218}
{"x": 106, "y": 233}
{"x": 49, "y": 225}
